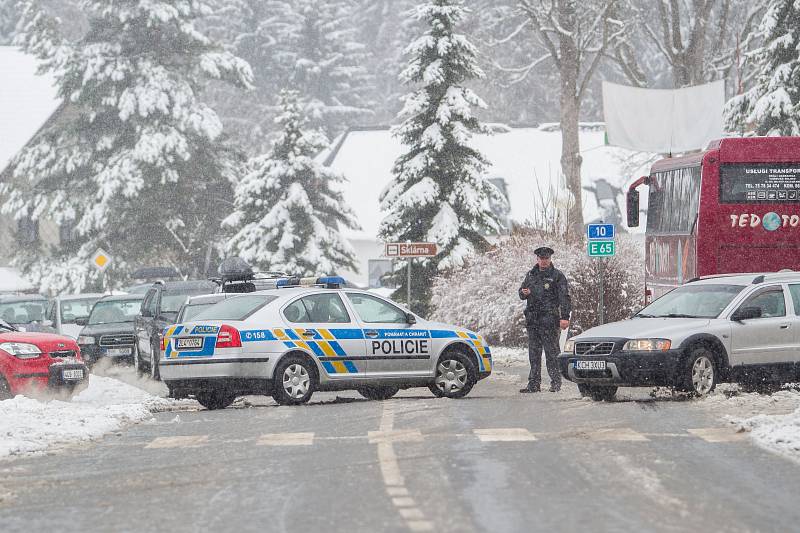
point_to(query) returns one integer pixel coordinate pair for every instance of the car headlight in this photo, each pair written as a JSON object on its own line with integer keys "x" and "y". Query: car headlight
{"x": 21, "y": 350}
{"x": 647, "y": 345}
{"x": 85, "y": 339}
{"x": 569, "y": 346}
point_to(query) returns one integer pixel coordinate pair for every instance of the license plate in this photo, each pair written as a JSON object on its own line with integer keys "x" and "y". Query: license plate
{"x": 590, "y": 365}
{"x": 72, "y": 373}
{"x": 116, "y": 352}
{"x": 189, "y": 343}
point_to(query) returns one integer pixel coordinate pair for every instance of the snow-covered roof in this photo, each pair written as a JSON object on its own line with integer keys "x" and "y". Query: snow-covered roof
{"x": 27, "y": 100}
{"x": 527, "y": 158}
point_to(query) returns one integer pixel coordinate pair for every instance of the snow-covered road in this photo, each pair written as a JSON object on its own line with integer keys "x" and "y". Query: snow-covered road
{"x": 118, "y": 399}
{"x": 771, "y": 420}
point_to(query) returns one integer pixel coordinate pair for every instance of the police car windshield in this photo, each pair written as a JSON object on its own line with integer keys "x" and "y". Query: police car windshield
{"x": 692, "y": 301}
{"x": 235, "y": 308}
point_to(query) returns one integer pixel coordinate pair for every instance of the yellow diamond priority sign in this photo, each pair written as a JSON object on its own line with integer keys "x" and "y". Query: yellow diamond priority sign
{"x": 101, "y": 260}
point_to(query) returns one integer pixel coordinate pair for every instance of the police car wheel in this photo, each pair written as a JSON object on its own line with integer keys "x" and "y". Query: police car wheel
{"x": 455, "y": 375}
{"x": 295, "y": 381}
{"x": 378, "y": 393}
{"x": 212, "y": 400}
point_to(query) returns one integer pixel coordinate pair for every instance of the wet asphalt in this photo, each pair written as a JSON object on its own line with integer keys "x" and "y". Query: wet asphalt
{"x": 494, "y": 461}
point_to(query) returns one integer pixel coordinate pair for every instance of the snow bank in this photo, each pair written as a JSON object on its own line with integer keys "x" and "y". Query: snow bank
{"x": 778, "y": 433}
{"x": 502, "y": 356}
{"x": 772, "y": 420}
{"x": 107, "y": 405}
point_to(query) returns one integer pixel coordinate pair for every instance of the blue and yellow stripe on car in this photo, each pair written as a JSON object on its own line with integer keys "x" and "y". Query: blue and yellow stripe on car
{"x": 321, "y": 344}
{"x": 480, "y": 347}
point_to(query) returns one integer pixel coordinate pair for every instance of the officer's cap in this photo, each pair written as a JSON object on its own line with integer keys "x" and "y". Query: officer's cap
{"x": 544, "y": 252}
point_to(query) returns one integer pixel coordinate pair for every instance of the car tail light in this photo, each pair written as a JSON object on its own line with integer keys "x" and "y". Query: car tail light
{"x": 164, "y": 342}
{"x": 228, "y": 337}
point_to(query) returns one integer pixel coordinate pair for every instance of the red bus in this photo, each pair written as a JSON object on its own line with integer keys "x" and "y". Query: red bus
{"x": 734, "y": 207}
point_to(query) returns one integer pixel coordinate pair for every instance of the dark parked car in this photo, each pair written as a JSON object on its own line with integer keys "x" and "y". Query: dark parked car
{"x": 109, "y": 330}
{"x": 160, "y": 309}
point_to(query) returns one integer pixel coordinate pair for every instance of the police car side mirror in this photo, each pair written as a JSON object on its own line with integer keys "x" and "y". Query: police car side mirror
{"x": 82, "y": 320}
{"x": 410, "y": 318}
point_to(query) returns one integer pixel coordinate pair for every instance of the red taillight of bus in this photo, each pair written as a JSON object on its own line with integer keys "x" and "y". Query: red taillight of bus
{"x": 228, "y": 337}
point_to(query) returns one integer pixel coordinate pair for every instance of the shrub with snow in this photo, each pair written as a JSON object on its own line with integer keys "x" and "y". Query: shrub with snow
{"x": 483, "y": 295}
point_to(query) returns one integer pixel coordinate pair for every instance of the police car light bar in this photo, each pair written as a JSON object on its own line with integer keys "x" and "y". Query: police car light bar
{"x": 329, "y": 282}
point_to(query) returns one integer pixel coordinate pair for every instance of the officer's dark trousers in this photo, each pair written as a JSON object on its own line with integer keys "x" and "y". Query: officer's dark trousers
{"x": 543, "y": 336}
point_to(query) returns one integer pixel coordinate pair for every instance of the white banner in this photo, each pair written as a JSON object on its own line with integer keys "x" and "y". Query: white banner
{"x": 663, "y": 121}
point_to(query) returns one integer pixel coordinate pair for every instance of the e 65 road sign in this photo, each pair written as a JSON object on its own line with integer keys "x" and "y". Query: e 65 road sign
{"x": 601, "y": 248}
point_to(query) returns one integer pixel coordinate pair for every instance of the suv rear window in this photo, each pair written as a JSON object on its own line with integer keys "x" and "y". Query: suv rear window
{"x": 236, "y": 308}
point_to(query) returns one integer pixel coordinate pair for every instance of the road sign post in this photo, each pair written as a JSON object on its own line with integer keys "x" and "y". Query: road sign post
{"x": 408, "y": 251}
{"x": 601, "y": 244}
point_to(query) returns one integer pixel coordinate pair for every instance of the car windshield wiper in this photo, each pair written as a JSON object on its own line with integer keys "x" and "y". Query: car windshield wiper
{"x": 640, "y": 315}
{"x": 678, "y": 315}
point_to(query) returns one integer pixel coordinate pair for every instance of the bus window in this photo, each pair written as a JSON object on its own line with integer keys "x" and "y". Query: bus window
{"x": 674, "y": 201}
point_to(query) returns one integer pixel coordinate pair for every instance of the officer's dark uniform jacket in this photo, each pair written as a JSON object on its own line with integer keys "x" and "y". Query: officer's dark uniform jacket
{"x": 549, "y": 300}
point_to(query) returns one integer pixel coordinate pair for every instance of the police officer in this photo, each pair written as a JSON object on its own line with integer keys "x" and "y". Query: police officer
{"x": 547, "y": 311}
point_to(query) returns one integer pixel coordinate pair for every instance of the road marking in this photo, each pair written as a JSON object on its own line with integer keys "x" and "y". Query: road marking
{"x": 286, "y": 439}
{"x": 385, "y": 438}
{"x": 420, "y": 525}
{"x": 404, "y": 502}
{"x": 405, "y": 435}
{"x": 188, "y": 441}
{"x": 411, "y": 514}
{"x": 716, "y": 435}
{"x": 504, "y": 435}
{"x": 617, "y": 434}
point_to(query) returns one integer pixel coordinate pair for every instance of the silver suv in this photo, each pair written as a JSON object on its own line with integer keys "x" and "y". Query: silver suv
{"x": 743, "y": 328}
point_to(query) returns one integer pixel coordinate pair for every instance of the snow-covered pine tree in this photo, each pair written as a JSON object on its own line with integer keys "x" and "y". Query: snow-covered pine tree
{"x": 319, "y": 55}
{"x": 287, "y": 215}
{"x": 439, "y": 192}
{"x": 772, "y": 105}
{"x": 133, "y": 162}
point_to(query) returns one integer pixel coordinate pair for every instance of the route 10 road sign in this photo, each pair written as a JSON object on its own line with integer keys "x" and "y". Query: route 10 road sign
{"x": 411, "y": 249}
{"x": 601, "y": 248}
{"x": 600, "y": 231}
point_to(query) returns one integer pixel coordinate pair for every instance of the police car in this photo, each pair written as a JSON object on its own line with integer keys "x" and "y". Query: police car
{"x": 316, "y": 335}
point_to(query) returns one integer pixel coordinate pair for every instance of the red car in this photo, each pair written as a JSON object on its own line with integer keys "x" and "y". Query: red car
{"x": 39, "y": 363}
